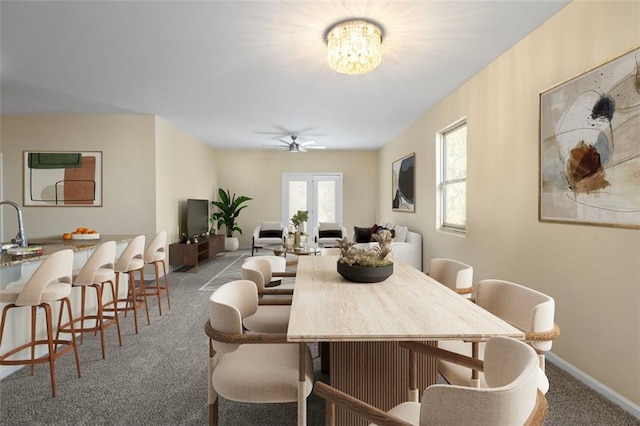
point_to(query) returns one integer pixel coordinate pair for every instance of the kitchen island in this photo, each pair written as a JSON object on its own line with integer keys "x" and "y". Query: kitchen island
{"x": 17, "y": 269}
{"x": 51, "y": 245}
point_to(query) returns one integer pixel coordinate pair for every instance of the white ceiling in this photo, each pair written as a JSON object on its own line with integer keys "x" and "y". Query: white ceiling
{"x": 238, "y": 74}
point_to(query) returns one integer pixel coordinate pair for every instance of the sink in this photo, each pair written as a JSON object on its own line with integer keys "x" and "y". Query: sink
{"x": 42, "y": 243}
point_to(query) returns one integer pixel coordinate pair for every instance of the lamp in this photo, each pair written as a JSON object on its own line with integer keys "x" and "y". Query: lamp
{"x": 354, "y": 46}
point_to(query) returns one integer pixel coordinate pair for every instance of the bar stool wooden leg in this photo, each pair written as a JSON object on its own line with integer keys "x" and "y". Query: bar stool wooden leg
{"x": 52, "y": 350}
{"x": 143, "y": 291}
{"x": 166, "y": 283}
{"x": 115, "y": 314}
{"x": 33, "y": 335}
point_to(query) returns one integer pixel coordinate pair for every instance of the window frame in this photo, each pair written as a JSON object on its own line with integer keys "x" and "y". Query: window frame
{"x": 443, "y": 182}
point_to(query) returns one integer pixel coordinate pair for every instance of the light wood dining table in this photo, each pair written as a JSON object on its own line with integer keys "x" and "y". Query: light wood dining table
{"x": 364, "y": 323}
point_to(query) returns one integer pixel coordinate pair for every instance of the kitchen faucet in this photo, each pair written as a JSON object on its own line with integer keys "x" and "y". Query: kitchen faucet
{"x": 21, "y": 238}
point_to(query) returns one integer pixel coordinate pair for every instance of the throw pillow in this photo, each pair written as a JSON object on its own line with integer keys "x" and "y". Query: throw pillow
{"x": 372, "y": 231}
{"x": 269, "y": 233}
{"x": 330, "y": 233}
{"x": 401, "y": 233}
{"x": 382, "y": 228}
{"x": 362, "y": 235}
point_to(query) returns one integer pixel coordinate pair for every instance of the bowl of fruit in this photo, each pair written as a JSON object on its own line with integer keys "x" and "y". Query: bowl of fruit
{"x": 81, "y": 233}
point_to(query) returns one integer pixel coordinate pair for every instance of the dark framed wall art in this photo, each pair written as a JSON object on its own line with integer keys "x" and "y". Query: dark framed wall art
{"x": 62, "y": 178}
{"x": 590, "y": 146}
{"x": 403, "y": 184}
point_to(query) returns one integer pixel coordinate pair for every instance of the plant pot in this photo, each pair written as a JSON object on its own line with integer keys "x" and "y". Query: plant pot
{"x": 231, "y": 244}
{"x": 365, "y": 274}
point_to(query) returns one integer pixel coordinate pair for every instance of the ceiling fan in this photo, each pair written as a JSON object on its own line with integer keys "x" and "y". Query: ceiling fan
{"x": 294, "y": 145}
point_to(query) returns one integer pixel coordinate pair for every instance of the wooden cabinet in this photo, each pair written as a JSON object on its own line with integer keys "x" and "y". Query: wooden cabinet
{"x": 189, "y": 255}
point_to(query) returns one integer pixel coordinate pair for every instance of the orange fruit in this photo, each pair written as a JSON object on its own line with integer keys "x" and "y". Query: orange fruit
{"x": 79, "y": 230}
{"x": 85, "y": 231}
{"x": 93, "y": 231}
{"x": 66, "y": 236}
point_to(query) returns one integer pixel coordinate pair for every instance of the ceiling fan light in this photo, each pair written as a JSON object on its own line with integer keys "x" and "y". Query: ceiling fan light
{"x": 354, "y": 46}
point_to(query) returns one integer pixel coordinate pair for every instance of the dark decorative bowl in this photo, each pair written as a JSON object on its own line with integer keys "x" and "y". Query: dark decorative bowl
{"x": 365, "y": 274}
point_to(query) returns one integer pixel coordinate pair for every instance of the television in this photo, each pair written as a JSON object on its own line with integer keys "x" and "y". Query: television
{"x": 197, "y": 217}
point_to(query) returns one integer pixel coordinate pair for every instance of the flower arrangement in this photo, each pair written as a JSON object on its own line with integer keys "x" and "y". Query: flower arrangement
{"x": 378, "y": 256}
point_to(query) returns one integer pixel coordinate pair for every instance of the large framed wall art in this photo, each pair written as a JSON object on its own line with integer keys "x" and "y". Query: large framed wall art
{"x": 590, "y": 146}
{"x": 403, "y": 184}
{"x": 62, "y": 178}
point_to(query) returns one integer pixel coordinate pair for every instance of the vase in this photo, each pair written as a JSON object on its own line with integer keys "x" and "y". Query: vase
{"x": 231, "y": 244}
{"x": 365, "y": 274}
{"x": 296, "y": 239}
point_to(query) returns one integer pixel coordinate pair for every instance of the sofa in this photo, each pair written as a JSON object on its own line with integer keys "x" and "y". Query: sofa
{"x": 407, "y": 245}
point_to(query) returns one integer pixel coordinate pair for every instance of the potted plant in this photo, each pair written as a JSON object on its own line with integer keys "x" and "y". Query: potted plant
{"x": 366, "y": 265}
{"x": 298, "y": 221}
{"x": 229, "y": 207}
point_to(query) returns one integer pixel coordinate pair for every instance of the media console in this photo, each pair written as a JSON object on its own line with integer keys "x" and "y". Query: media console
{"x": 186, "y": 256}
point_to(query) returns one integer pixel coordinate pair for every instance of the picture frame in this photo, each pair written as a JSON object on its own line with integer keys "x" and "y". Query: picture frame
{"x": 403, "y": 184}
{"x": 589, "y": 149}
{"x": 62, "y": 178}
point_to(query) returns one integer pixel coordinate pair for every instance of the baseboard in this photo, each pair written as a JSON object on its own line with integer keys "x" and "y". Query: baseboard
{"x": 590, "y": 382}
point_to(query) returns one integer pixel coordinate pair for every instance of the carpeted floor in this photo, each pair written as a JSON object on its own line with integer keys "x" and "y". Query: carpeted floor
{"x": 159, "y": 375}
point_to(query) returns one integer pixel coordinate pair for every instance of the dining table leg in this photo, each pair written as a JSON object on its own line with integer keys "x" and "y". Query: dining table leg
{"x": 302, "y": 376}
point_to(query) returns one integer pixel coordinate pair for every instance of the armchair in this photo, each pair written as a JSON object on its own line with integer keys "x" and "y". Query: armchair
{"x": 522, "y": 307}
{"x": 510, "y": 399}
{"x": 329, "y": 233}
{"x": 267, "y": 233}
{"x": 251, "y": 367}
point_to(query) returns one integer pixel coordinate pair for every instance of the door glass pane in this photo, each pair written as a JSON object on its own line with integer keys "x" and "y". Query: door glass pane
{"x": 326, "y": 201}
{"x": 297, "y": 198}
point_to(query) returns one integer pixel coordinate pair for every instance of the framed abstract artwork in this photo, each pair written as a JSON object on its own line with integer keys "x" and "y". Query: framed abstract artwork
{"x": 590, "y": 146}
{"x": 403, "y": 184}
{"x": 62, "y": 178}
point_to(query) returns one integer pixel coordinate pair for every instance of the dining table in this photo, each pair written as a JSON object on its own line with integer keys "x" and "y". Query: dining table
{"x": 364, "y": 324}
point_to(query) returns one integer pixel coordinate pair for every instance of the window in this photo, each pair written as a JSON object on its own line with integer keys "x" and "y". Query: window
{"x": 453, "y": 177}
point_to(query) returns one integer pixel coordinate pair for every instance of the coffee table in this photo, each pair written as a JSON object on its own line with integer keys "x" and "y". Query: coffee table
{"x": 281, "y": 250}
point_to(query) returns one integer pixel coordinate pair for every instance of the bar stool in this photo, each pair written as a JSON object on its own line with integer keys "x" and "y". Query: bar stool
{"x": 155, "y": 254}
{"x": 96, "y": 272}
{"x": 50, "y": 283}
{"x": 130, "y": 261}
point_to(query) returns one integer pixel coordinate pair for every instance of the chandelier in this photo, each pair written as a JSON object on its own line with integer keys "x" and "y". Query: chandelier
{"x": 354, "y": 46}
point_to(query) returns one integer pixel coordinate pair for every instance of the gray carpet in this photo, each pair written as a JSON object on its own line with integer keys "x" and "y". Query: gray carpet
{"x": 159, "y": 375}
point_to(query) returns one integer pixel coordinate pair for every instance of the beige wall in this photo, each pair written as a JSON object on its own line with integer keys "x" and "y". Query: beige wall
{"x": 258, "y": 174}
{"x": 150, "y": 169}
{"x": 127, "y": 145}
{"x": 592, "y": 272}
{"x": 184, "y": 169}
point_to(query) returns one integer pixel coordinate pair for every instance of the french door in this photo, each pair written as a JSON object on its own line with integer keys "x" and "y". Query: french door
{"x": 318, "y": 193}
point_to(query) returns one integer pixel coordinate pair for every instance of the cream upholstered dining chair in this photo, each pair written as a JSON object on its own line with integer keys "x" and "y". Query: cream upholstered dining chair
{"x": 50, "y": 283}
{"x": 272, "y": 314}
{"x": 155, "y": 254}
{"x": 511, "y": 397}
{"x": 97, "y": 271}
{"x": 252, "y": 367}
{"x": 131, "y": 260}
{"x": 267, "y": 233}
{"x": 524, "y": 308}
{"x": 456, "y": 275}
